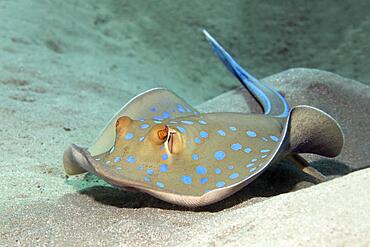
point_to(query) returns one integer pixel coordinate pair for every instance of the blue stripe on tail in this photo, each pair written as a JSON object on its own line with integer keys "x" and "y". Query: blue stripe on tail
{"x": 247, "y": 80}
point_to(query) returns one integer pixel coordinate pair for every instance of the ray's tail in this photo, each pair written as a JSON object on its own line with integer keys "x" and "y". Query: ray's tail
{"x": 273, "y": 102}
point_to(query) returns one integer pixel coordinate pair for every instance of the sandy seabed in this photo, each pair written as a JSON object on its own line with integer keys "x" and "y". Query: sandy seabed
{"x": 66, "y": 67}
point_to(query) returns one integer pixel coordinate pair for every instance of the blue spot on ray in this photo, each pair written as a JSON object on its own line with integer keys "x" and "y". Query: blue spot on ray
{"x": 230, "y": 167}
{"x": 253, "y": 169}
{"x": 140, "y": 167}
{"x": 274, "y": 138}
{"x": 232, "y": 128}
{"x": 254, "y": 160}
{"x": 195, "y": 156}
{"x": 160, "y": 185}
{"x": 149, "y": 171}
{"x": 197, "y": 140}
{"x": 164, "y": 156}
{"x": 234, "y": 175}
{"x": 181, "y": 129}
{"x": 163, "y": 167}
{"x": 247, "y": 150}
{"x": 249, "y": 165}
{"x": 129, "y": 136}
{"x": 117, "y": 159}
{"x": 236, "y": 146}
{"x": 144, "y": 126}
{"x": 265, "y": 150}
{"x": 166, "y": 114}
{"x": 218, "y": 171}
{"x": 221, "y": 132}
{"x": 153, "y": 109}
{"x": 158, "y": 118}
{"x": 220, "y": 184}
{"x": 220, "y": 155}
{"x": 130, "y": 159}
{"x": 187, "y": 122}
{"x": 146, "y": 179}
{"x": 203, "y": 180}
{"x": 141, "y": 138}
{"x": 201, "y": 170}
{"x": 203, "y": 134}
{"x": 202, "y": 122}
{"x": 251, "y": 133}
{"x": 186, "y": 179}
{"x": 180, "y": 108}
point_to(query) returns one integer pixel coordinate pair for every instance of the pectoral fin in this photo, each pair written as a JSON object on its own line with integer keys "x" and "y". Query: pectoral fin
{"x": 314, "y": 131}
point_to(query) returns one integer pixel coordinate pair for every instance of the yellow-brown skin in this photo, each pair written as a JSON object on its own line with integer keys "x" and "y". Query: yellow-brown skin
{"x": 165, "y": 138}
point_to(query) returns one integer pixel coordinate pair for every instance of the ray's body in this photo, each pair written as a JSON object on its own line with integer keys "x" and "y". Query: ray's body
{"x": 159, "y": 144}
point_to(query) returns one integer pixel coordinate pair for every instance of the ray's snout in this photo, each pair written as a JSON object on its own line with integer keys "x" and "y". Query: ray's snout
{"x": 73, "y": 157}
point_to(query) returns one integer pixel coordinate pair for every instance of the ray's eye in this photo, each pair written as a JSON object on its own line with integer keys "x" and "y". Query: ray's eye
{"x": 123, "y": 123}
{"x": 170, "y": 138}
{"x": 163, "y": 133}
{"x": 159, "y": 134}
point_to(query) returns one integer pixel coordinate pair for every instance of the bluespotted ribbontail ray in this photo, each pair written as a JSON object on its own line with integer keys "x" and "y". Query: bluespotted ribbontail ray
{"x": 159, "y": 144}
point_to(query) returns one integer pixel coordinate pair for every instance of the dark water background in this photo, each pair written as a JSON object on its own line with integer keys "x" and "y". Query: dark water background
{"x": 268, "y": 36}
{"x": 149, "y": 43}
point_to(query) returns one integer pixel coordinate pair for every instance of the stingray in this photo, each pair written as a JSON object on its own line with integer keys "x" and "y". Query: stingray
{"x": 159, "y": 144}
